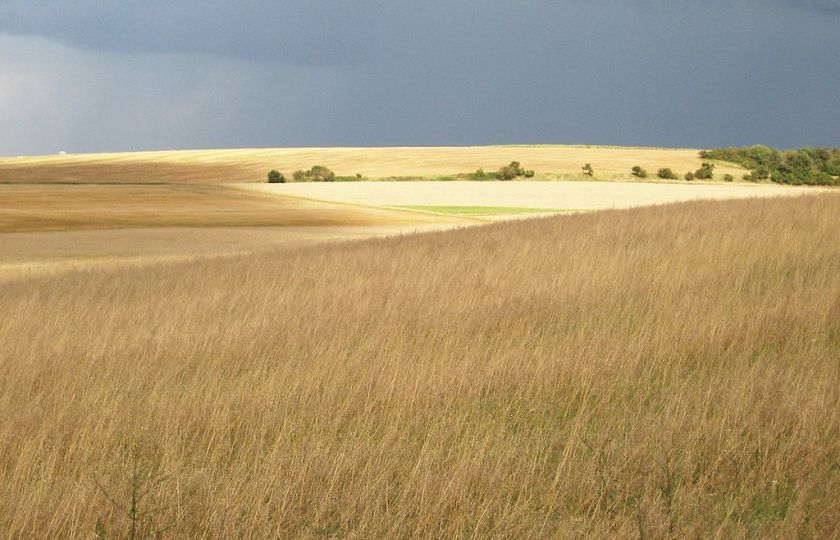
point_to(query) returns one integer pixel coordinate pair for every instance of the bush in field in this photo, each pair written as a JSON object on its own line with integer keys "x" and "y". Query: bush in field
{"x": 639, "y": 172}
{"x": 689, "y": 176}
{"x": 511, "y": 171}
{"x": 728, "y": 178}
{"x": 528, "y": 174}
{"x": 276, "y": 177}
{"x": 666, "y": 174}
{"x": 705, "y": 172}
{"x": 588, "y": 170}
{"x": 318, "y": 173}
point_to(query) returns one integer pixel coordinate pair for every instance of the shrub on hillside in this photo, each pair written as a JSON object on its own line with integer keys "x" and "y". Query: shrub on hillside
{"x": 728, "y": 178}
{"x": 666, "y": 174}
{"x": 639, "y": 172}
{"x": 588, "y": 170}
{"x": 689, "y": 176}
{"x": 511, "y": 171}
{"x": 318, "y": 173}
{"x": 705, "y": 172}
{"x": 809, "y": 166}
{"x": 276, "y": 177}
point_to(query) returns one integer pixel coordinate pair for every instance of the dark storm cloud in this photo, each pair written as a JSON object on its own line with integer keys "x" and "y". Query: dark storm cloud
{"x": 378, "y": 72}
{"x": 316, "y": 31}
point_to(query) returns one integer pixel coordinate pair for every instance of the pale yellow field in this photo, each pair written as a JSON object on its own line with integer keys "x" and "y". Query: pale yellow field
{"x": 252, "y": 165}
{"x": 549, "y": 195}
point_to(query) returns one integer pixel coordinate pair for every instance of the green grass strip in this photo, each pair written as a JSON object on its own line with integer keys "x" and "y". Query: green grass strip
{"x": 482, "y": 210}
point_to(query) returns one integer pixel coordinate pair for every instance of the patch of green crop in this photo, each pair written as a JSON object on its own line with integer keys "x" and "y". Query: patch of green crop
{"x": 483, "y": 210}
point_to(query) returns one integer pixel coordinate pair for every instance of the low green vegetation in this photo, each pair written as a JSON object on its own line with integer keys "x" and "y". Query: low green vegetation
{"x": 806, "y": 166}
{"x": 705, "y": 172}
{"x": 276, "y": 177}
{"x": 318, "y": 173}
{"x": 508, "y": 172}
{"x": 482, "y": 210}
{"x": 639, "y": 172}
{"x": 588, "y": 170}
{"x": 512, "y": 171}
{"x": 667, "y": 174}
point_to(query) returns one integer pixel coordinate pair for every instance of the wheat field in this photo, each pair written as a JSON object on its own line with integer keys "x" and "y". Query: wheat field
{"x": 657, "y": 372}
{"x": 251, "y": 165}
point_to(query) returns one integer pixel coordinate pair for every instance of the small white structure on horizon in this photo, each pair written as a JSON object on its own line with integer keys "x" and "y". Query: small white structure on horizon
{"x": 62, "y": 153}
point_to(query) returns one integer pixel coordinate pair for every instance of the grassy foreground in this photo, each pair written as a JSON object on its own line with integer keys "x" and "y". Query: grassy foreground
{"x": 658, "y": 372}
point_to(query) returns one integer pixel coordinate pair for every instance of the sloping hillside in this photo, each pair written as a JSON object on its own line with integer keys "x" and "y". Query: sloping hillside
{"x": 251, "y": 165}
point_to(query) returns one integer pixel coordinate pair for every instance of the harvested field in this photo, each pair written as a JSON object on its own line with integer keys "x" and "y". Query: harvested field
{"x": 537, "y": 195}
{"x": 26, "y": 208}
{"x": 54, "y": 227}
{"x": 251, "y": 165}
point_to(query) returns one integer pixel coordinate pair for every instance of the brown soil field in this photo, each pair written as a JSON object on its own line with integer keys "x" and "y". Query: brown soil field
{"x": 27, "y": 208}
{"x": 252, "y": 165}
{"x": 658, "y": 372}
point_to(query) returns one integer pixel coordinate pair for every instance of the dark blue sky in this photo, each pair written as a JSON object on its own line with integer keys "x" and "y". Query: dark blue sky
{"x": 98, "y": 75}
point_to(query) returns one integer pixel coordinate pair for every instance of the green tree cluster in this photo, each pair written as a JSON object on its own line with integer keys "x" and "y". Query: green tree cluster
{"x": 666, "y": 174}
{"x": 806, "y": 166}
{"x": 705, "y": 172}
{"x": 318, "y": 173}
{"x": 513, "y": 170}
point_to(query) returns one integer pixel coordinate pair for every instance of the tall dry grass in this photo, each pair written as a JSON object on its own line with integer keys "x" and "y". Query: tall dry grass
{"x": 659, "y": 372}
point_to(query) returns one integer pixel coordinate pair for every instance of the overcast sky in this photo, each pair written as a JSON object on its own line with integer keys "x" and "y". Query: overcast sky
{"x": 112, "y": 75}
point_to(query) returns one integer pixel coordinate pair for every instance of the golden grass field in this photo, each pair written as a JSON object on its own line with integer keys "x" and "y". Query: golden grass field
{"x": 219, "y": 166}
{"x": 660, "y": 372}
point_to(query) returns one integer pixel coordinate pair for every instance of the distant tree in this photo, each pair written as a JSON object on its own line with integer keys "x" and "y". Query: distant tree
{"x": 276, "y": 177}
{"x": 528, "y": 174}
{"x": 728, "y": 178}
{"x": 639, "y": 172}
{"x": 588, "y": 170}
{"x": 511, "y": 171}
{"x": 689, "y": 176}
{"x": 666, "y": 174}
{"x": 319, "y": 173}
{"x": 705, "y": 172}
